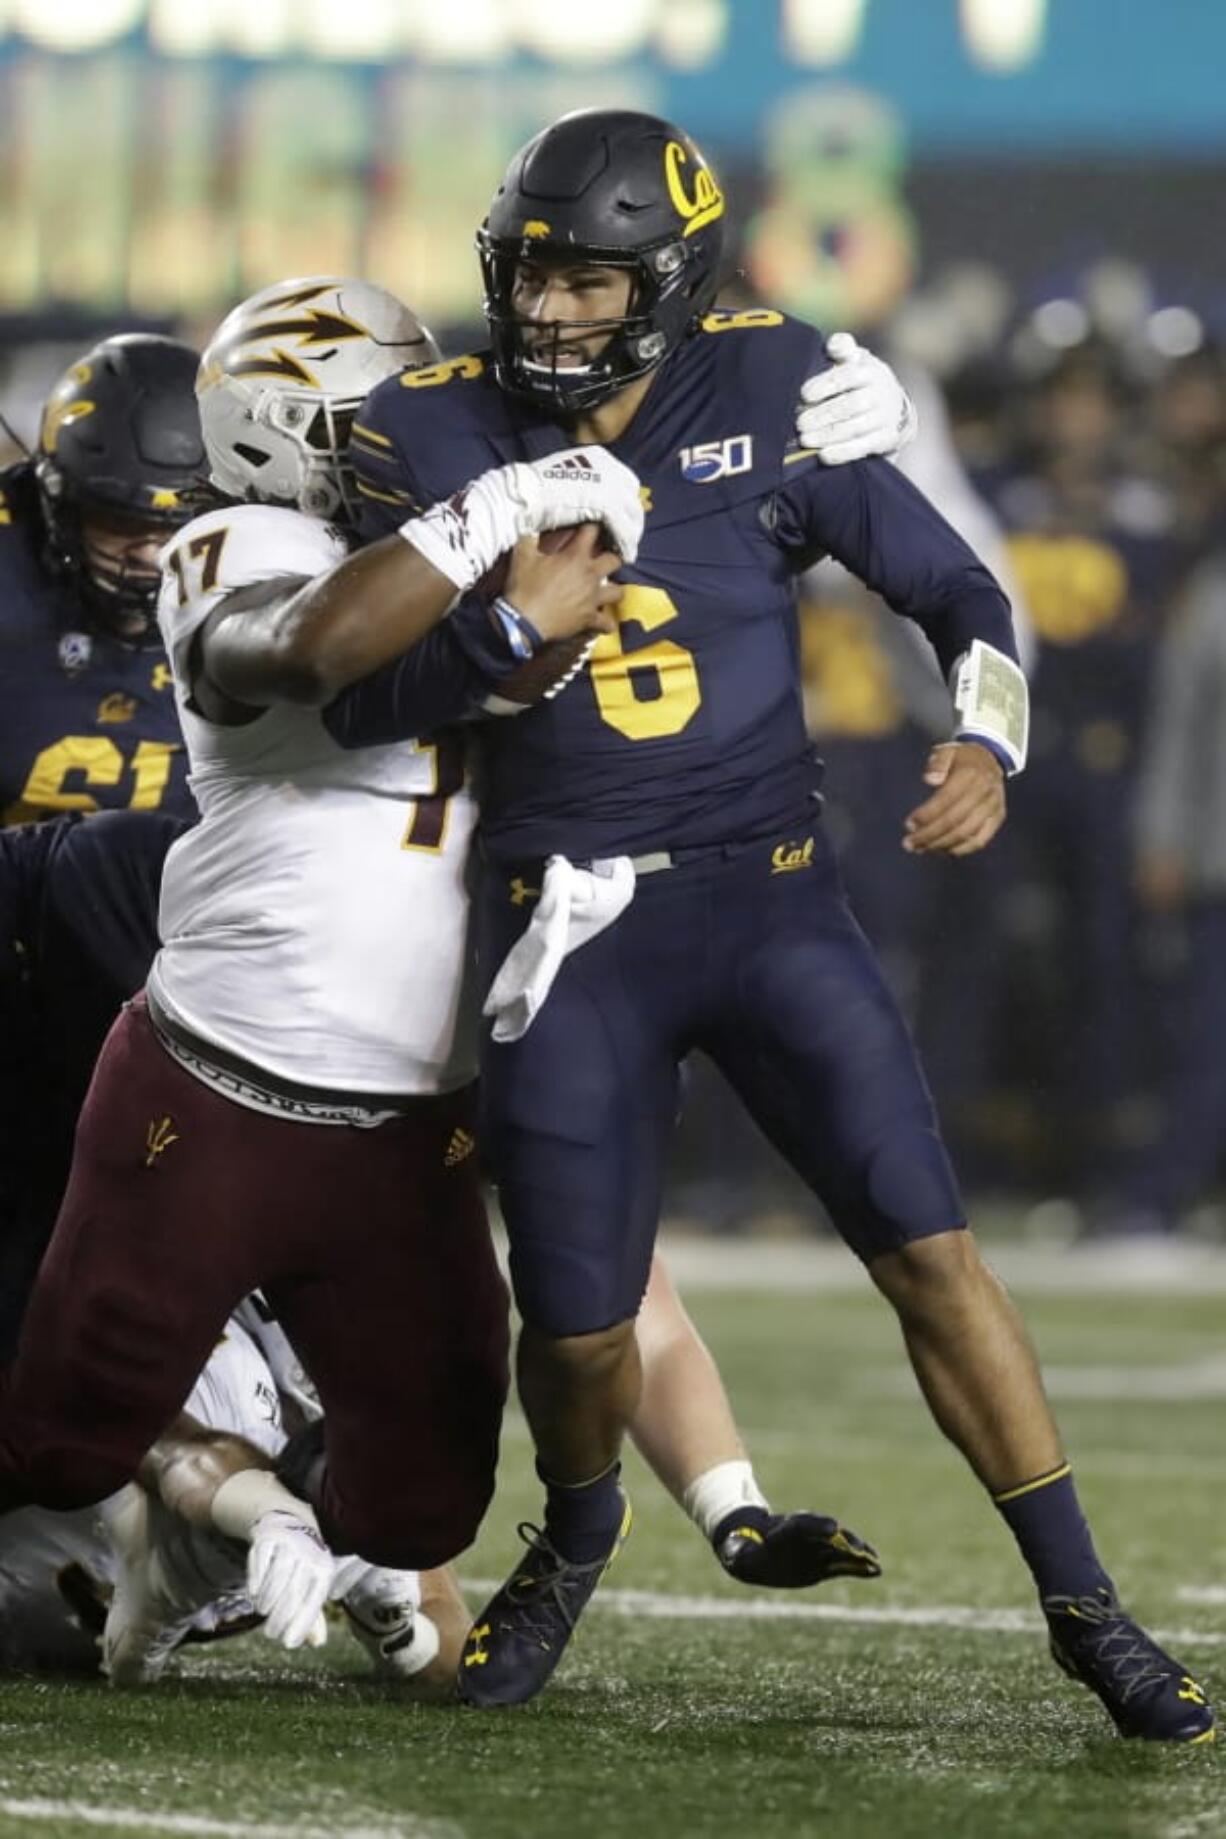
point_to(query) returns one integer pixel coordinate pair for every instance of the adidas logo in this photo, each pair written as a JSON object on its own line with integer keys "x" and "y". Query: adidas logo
{"x": 576, "y": 467}
{"x": 462, "y": 1145}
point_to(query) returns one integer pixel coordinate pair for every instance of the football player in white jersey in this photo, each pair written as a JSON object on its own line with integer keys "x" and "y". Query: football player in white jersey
{"x": 291, "y": 1110}
{"x": 127, "y": 1583}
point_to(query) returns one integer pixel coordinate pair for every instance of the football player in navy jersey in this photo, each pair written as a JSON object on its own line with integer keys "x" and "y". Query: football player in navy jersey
{"x": 658, "y": 878}
{"x": 87, "y": 715}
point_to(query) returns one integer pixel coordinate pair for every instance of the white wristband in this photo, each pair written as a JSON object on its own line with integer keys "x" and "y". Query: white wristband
{"x": 719, "y": 1491}
{"x": 245, "y": 1498}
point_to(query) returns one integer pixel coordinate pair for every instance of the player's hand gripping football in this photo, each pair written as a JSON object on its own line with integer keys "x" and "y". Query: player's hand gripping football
{"x": 856, "y": 408}
{"x": 967, "y": 806}
{"x": 565, "y": 591}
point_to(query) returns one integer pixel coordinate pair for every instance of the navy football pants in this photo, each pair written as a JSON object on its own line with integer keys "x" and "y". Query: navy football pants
{"x": 763, "y": 968}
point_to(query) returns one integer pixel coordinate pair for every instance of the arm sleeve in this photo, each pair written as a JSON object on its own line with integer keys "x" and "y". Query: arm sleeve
{"x": 444, "y": 678}
{"x": 25, "y": 853}
{"x": 874, "y": 521}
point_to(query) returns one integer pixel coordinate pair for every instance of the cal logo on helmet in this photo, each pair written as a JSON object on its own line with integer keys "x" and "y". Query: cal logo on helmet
{"x": 704, "y": 201}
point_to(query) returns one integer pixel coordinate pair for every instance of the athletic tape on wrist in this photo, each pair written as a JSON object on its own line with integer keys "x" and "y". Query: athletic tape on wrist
{"x": 245, "y": 1498}
{"x": 992, "y": 699}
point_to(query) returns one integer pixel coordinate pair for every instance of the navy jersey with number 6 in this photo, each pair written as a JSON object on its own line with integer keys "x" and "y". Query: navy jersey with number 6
{"x": 86, "y": 723}
{"x": 687, "y": 728}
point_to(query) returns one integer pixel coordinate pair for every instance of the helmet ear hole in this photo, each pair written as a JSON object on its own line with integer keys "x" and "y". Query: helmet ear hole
{"x": 254, "y": 456}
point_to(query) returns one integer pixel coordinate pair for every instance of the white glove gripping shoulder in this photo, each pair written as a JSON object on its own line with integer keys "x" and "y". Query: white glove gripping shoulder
{"x": 856, "y": 408}
{"x": 992, "y": 699}
{"x": 465, "y": 535}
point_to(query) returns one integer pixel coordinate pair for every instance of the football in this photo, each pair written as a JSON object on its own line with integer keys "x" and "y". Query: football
{"x": 533, "y": 678}
{"x": 493, "y": 582}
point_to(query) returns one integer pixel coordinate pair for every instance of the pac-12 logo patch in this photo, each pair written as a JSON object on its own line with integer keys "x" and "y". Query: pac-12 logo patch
{"x": 708, "y": 461}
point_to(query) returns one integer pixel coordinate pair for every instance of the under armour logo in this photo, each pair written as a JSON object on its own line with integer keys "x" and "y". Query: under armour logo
{"x": 1189, "y": 1690}
{"x": 476, "y": 1654}
{"x": 521, "y": 892}
{"x": 158, "y": 1138}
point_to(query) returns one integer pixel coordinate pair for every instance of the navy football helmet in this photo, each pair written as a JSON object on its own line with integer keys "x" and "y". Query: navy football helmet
{"x": 607, "y": 188}
{"x": 120, "y": 445}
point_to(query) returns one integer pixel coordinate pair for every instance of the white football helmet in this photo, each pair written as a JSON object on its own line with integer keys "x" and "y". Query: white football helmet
{"x": 282, "y": 379}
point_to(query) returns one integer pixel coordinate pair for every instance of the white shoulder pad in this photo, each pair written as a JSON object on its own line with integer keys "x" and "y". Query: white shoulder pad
{"x": 233, "y": 548}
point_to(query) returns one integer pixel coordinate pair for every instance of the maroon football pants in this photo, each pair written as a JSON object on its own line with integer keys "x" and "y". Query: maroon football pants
{"x": 371, "y": 1246}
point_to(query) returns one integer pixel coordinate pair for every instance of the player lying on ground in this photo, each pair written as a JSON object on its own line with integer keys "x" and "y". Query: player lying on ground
{"x": 207, "y": 1543}
{"x": 657, "y": 826}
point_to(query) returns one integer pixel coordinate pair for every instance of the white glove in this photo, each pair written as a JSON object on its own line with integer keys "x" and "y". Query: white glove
{"x": 464, "y": 536}
{"x": 289, "y": 1578}
{"x": 856, "y": 408}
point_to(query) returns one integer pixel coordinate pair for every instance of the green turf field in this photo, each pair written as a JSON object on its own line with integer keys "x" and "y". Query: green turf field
{"x": 690, "y": 1706}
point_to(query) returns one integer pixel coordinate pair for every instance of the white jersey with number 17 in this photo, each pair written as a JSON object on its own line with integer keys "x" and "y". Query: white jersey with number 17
{"x": 315, "y": 921}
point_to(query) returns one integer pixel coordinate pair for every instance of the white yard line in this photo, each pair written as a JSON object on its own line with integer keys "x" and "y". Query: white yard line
{"x": 655, "y": 1604}
{"x": 1183, "y": 1267}
{"x": 1187, "y": 1380}
{"x": 142, "y": 1819}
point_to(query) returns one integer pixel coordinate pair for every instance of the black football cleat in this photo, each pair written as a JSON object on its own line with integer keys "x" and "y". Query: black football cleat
{"x": 1147, "y": 1693}
{"x": 521, "y": 1634}
{"x": 789, "y": 1551}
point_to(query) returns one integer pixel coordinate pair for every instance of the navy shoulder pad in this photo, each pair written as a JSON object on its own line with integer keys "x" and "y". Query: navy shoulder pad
{"x": 443, "y": 424}
{"x": 752, "y": 363}
{"x": 761, "y": 349}
{"x": 18, "y": 494}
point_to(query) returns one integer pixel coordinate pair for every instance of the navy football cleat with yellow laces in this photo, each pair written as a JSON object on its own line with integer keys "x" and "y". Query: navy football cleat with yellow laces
{"x": 1147, "y": 1693}
{"x": 521, "y": 1634}
{"x": 789, "y": 1551}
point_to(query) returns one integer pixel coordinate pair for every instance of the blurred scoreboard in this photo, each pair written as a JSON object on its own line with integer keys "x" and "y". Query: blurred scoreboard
{"x": 169, "y": 155}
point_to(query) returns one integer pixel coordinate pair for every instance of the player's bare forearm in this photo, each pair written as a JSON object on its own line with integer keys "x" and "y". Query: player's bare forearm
{"x": 966, "y": 809}
{"x": 189, "y": 1462}
{"x": 307, "y": 646}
